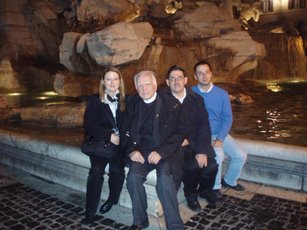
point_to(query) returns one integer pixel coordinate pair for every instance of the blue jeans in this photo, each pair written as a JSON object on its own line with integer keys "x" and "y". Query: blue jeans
{"x": 237, "y": 158}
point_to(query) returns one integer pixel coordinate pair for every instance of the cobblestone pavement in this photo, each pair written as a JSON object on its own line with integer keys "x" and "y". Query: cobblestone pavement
{"x": 22, "y": 207}
{"x": 261, "y": 212}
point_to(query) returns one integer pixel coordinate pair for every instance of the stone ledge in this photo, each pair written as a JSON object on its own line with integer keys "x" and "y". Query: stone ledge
{"x": 65, "y": 165}
{"x": 268, "y": 163}
{"x": 275, "y": 164}
{"x": 52, "y": 150}
{"x": 274, "y": 150}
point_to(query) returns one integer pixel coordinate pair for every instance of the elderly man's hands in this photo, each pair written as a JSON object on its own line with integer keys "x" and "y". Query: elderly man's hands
{"x": 154, "y": 158}
{"x": 136, "y": 156}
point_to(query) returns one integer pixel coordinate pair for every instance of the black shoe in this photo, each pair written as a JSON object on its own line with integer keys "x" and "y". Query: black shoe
{"x": 135, "y": 227}
{"x": 218, "y": 194}
{"x": 106, "y": 207}
{"x": 237, "y": 187}
{"x": 139, "y": 226}
{"x": 87, "y": 220}
{"x": 193, "y": 204}
{"x": 210, "y": 197}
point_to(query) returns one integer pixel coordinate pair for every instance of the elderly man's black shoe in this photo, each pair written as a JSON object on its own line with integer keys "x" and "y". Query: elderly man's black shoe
{"x": 87, "y": 220}
{"x": 106, "y": 207}
{"x": 135, "y": 227}
{"x": 139, "y": 226}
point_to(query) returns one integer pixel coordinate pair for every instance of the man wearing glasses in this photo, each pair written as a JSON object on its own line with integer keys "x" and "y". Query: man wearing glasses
{"x": 218, "y": 106}
{"x": 196, "y": 160}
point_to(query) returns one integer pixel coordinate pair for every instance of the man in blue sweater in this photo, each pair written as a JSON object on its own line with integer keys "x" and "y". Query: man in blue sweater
{"x": 218, "y": 106}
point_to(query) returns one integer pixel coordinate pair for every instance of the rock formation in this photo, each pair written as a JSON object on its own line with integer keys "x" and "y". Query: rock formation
{"x": 7, "y": 79}
{"x": 42, "y": 38}
{"x": 66, "y": 84}
{"x": 109, "y": 46}
{"x": 68, "y": 115}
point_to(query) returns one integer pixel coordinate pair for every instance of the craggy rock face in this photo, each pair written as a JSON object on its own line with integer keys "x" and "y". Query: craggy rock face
{"x": 82, "y": 37}
{"x": 111, "y": 46}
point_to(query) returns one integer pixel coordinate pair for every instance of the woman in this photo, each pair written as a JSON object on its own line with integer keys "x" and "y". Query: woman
{"x": 102, "y": 120}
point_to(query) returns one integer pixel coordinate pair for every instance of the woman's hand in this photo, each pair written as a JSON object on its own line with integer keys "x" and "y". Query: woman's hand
{"x": 114, "y": 139}
{"x": 185, "y": 143}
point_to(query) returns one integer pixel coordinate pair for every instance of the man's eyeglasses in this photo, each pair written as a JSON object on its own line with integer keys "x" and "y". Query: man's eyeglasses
{"x": 173, "y": 79}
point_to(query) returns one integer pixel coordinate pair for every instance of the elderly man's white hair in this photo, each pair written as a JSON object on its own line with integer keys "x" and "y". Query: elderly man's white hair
{"x": 145, "y": 72}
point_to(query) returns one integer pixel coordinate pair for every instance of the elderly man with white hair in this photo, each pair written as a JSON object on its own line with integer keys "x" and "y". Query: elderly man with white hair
{"x": 153, "y": 134}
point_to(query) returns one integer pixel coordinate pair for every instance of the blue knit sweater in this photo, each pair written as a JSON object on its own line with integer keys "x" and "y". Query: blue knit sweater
{"x": 219, "y": 108}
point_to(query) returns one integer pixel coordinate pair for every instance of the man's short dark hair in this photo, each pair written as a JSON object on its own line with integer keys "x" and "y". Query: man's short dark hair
{"x": 203, "y": 62}
{"x": 173, "y": 68}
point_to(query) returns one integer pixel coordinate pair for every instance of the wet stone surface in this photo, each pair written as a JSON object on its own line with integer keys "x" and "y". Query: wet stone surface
{"x": 22, "y": 207}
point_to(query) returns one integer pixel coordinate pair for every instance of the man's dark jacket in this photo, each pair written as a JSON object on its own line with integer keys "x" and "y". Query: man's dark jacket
{"x": 168, "y": 129}
{"x": 197, "y": 131}
{"x": 196, "y": 123}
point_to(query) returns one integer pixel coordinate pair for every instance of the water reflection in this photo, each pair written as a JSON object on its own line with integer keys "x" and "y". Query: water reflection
{"x": 22, "y": 99}
{"x": 279, "y": 116}
{"x": 274, "y": 87}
